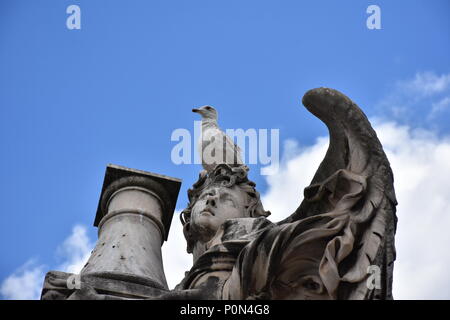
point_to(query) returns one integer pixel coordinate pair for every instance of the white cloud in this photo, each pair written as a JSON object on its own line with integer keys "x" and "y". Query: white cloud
{"x": 439, "y": 106}
{"x": 175, "y": 258}
{"x": 26, "y": 282}
{"x": 421, "y": 166}
{"x": 75, "y": 250}
{"x": 418, "y": 101}
{"x": 426, "y": 83}
{"x": 297, "y": 169}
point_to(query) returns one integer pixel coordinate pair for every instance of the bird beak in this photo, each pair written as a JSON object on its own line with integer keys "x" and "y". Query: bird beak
{"x": 196, "y": 110}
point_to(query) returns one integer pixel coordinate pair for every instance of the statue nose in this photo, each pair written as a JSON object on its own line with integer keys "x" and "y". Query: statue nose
{"x": 211, "y": 201}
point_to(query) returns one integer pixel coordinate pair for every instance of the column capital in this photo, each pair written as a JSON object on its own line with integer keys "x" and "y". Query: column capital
{"x": 165, "y": 188}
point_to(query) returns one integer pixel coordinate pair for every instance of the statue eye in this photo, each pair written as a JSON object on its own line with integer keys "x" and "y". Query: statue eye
{"x": 228, "y": 200}
{"x": 311, "y": 285}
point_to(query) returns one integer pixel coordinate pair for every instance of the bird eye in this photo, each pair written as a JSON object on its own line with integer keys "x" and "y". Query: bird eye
{"x": 208, "y": 108}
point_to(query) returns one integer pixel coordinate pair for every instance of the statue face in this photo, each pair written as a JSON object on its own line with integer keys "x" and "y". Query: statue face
{"x": 214, "y": 206}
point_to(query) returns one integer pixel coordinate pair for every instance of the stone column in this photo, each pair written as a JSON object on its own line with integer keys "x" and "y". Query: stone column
{"x": 133, "y": 219}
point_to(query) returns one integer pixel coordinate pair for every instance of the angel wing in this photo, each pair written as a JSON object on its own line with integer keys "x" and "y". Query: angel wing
{"x": 354, "y": 178}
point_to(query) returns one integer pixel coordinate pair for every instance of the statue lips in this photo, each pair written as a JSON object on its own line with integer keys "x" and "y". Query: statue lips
{"x": 207, "y": 212}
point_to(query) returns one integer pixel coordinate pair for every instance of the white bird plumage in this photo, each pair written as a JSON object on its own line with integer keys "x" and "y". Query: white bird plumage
{"x": 214, "y": 146}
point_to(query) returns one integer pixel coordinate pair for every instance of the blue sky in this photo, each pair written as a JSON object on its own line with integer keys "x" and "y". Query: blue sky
{"x": 72, "y": 101}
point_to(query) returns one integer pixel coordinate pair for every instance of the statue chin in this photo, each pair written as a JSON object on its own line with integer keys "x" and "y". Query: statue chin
{"x": 204, "y": 228}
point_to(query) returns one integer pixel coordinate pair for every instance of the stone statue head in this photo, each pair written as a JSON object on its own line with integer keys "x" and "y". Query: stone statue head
{"x": 226, "y": 193}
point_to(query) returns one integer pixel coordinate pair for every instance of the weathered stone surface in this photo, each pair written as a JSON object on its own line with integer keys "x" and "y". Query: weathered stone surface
{"x": 133, "y": 219}
{"x": 343, "y": 228}
{"x": 171, "y": 187}
{"x": 93, "y": 287}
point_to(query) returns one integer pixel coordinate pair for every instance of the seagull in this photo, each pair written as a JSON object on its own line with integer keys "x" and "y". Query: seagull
{"x": 214, "y": 146}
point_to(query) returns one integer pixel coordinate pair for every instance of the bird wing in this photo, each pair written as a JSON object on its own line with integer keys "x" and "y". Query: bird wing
{"x": 216, "y": 147}
{"x": 230, "y": 145}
